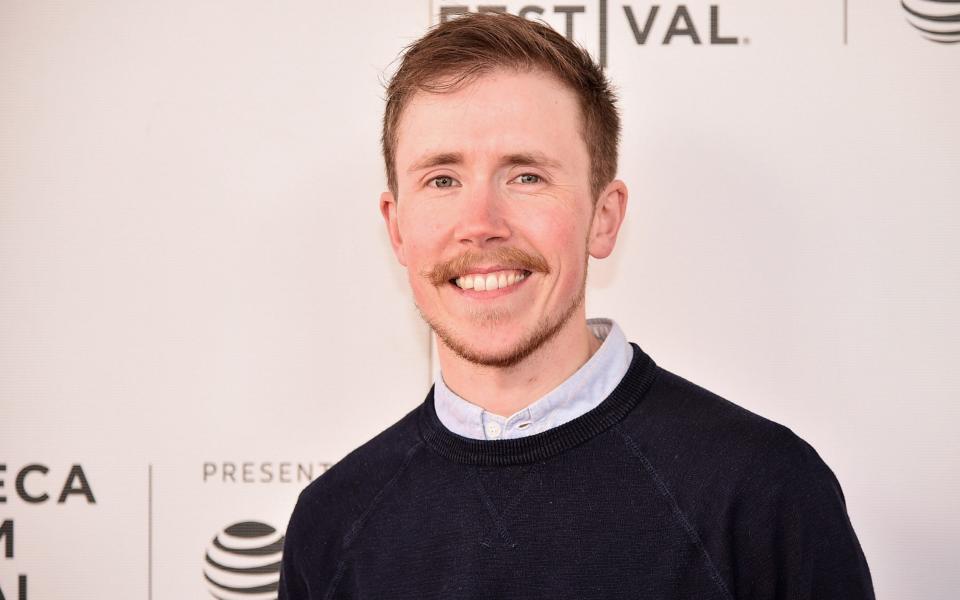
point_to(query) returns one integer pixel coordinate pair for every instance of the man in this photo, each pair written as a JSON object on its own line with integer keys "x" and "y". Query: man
{"x": 552, "y": 459}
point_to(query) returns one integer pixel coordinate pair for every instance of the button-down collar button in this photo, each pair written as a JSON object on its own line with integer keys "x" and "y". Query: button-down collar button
{"x": 493, "y": 430}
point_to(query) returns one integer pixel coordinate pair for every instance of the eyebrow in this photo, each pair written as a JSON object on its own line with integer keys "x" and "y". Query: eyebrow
{"x": 529, "y": 159}
{"x": 436, "y": 160}
{"x": 519, "y": 159}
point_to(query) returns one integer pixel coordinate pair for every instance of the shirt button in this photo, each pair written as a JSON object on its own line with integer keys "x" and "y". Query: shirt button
{"x": 493, "y": 430}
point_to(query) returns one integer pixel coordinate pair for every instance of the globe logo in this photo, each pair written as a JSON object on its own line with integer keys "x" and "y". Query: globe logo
{"x": 936, "y": 20}
{"x": 243, "y": 562}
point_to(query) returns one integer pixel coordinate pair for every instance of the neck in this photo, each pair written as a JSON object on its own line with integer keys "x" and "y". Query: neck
{"x": 505, "y": 390}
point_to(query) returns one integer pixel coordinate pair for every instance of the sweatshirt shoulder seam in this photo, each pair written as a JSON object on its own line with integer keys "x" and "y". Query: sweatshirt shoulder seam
{"x": 678, "y": 513}
{"x": 357, "y": 525}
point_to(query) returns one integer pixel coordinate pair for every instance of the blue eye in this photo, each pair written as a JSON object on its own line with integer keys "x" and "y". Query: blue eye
{"x": 444, "y": 181}
{"x": 529, "y": 178}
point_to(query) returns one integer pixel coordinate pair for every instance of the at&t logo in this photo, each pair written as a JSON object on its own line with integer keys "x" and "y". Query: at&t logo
{"x": 243, "y": 561}
{"x": 936, "y": 20}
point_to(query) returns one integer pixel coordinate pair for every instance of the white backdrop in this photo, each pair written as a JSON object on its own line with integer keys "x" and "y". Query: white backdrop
{"x": 199, "y": 308}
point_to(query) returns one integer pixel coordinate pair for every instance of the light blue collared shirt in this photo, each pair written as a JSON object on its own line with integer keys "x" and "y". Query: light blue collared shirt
{"x": 578, "y": 394}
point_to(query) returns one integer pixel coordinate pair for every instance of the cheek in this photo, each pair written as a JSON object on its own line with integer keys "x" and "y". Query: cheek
{"x": 560, "y": 236}
{"x": 423, "y": 245}
{"x": 420, "y": 234}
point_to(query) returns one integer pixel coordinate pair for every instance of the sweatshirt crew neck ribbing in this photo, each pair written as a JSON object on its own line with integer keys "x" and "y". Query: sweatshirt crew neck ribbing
{"x": 497, "y": 453}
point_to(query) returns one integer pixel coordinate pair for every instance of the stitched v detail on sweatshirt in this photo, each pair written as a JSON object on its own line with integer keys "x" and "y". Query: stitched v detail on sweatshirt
{"x": 501, "y": 496}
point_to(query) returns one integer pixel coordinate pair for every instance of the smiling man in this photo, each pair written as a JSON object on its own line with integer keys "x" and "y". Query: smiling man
{"x": 494, "y": 213}
{"x": 552, "y": 458}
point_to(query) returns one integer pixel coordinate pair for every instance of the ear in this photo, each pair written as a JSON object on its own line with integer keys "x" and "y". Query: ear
{"x": 608, "y": 215}
{"x": 388, "y": 208}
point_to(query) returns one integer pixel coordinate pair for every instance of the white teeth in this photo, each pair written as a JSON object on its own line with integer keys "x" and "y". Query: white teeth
{"x": 489, "y": 281}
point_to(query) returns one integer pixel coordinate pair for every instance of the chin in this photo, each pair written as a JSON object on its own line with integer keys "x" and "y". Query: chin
{"x": 492, "y": 355}
{"x": 499, "y": 350}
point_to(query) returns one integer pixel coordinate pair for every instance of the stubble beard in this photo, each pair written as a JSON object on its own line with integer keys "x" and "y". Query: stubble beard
{"x": 545, "y": 330}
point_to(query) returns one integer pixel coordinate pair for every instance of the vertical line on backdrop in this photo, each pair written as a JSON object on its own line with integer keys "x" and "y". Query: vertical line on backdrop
{"x": 150, "y": 532}
{"x": 845, "y": 22}
{"x": 429, "y": 330}
{"x": 603, "y": 34}
{"x": 429, "y": 357}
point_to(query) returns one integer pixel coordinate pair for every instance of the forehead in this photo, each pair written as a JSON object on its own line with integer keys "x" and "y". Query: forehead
{"x": 501, "y": 112}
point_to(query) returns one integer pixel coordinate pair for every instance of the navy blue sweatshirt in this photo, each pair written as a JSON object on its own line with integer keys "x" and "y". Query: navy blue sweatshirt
{"x": 663, "y": 491}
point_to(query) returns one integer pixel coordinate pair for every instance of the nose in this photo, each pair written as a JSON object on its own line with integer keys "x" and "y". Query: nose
{"x": 482, "y": 219}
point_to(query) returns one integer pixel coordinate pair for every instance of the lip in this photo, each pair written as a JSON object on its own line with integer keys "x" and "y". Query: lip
{"x": 493, "y": 294}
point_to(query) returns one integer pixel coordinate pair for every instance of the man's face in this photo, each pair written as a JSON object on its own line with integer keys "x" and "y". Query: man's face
{"x": 493, "y": 212}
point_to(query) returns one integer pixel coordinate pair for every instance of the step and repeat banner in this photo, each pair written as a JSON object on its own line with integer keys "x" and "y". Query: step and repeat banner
{"x": 200, "y": 311}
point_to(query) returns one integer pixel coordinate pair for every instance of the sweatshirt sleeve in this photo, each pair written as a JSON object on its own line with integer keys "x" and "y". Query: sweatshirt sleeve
{"x": 795, "y": 540}
{"x": 308, "y": 549}
{"x": 293, "y": 583}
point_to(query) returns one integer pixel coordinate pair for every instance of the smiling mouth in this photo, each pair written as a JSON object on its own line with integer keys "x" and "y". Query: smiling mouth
{"x": 495, "y": 280}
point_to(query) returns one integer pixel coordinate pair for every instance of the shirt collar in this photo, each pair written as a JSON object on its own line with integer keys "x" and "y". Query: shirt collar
{"x": 578, "y": 394}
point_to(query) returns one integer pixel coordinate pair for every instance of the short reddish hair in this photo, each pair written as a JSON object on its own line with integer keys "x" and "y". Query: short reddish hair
{"x": 458, "y": 51}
